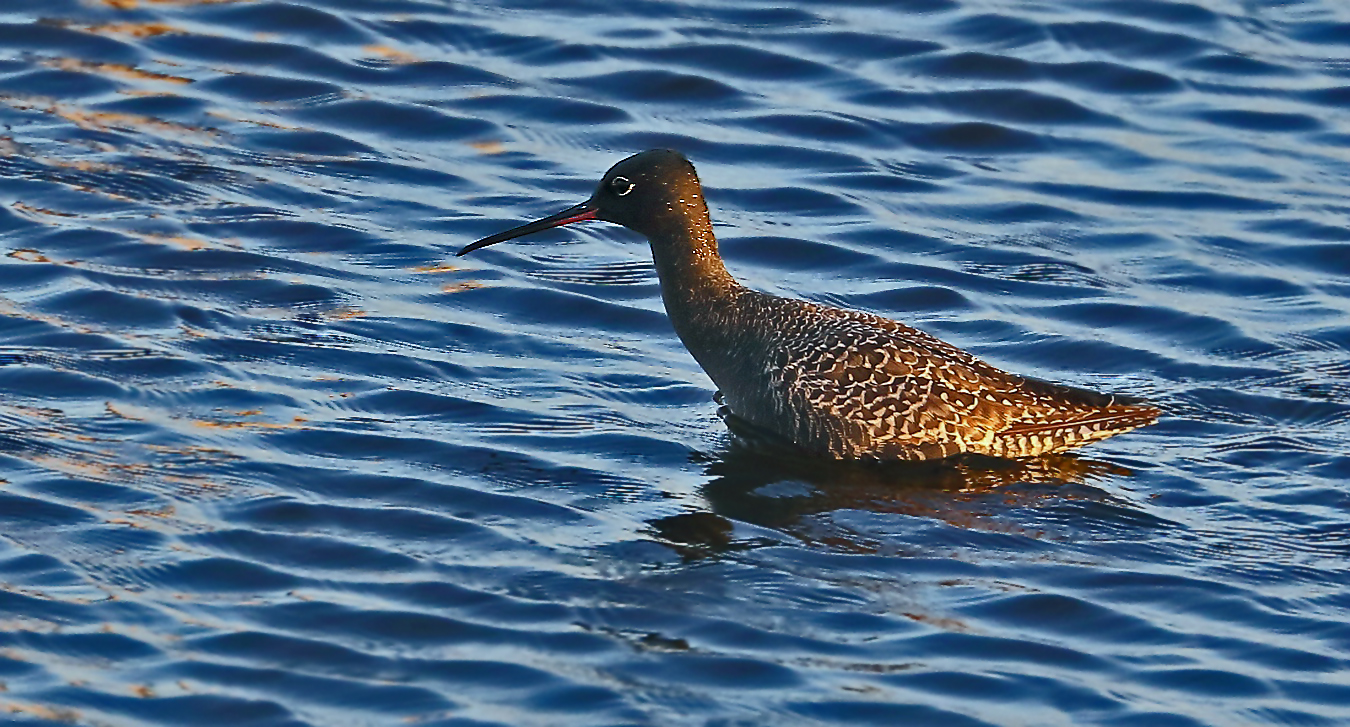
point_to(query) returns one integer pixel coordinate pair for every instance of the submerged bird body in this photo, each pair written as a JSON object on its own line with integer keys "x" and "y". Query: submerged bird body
{"x": 835, "y": 382}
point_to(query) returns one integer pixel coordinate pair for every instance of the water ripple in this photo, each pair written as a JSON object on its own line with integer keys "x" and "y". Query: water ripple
{"x": 273, "y": 456}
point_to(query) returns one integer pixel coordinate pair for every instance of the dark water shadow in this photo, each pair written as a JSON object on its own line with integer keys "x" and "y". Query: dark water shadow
{"x": 763, "y": 484}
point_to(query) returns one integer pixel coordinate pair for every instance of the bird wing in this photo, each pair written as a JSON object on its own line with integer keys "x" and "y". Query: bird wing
{"x": 864, "y": 389}
{"x": 855, "y": 385}
{"x": 1009, "y": 415}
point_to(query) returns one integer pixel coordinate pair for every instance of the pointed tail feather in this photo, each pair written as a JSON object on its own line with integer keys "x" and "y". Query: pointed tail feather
{"x": 1118, "y": 418}
{"x": 1073, "y": 429}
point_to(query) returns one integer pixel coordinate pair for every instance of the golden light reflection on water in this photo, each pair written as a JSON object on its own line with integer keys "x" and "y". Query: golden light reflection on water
{"x": 254, "y": 122}
{"x": 461, "y": 287}
{"x": 135, "y": 4}
{"x": 62, "y": 715}
{"x": 437, "y": 268}
{"x": 58, "y": 441}
{"x": 116, "y": 70}
{"x": 28, "y": 255}
{"x": 488, "y": 147}
{"x": 105, "y": 120}
{"x": 345, "y": 313}
{"x": 295, "y": 423}
{"x": 391, "y": 54}
{"x": 190, "y": 244}
{"x": 133, "y": 30}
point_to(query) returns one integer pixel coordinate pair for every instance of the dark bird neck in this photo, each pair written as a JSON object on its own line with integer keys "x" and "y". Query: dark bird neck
{"x": 695, "y": 285}
{"x": 713, "y": 314}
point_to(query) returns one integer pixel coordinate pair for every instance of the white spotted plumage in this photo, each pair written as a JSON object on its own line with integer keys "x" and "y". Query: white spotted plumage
{"x": 852, "y": 385}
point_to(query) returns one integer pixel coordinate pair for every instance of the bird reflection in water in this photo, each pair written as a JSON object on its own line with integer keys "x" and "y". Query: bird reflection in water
{"x": 763, "y": 482}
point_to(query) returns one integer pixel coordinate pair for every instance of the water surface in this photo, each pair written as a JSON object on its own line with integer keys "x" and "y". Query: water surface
{"x": 271, "y": 455}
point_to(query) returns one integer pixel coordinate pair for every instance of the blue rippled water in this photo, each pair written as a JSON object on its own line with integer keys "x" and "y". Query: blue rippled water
{"x": 271, "y": 455}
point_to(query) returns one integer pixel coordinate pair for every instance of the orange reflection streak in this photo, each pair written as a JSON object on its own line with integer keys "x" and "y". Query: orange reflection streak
{"x": 104, "y": 120}
{"x": 342, "y": 314}
{"x": 120, "y": 70}
{"x": 255, "y": 122}
{"x": 29, "y": 256}
{"x": 187, "y": 243}
{"x": 487, "y": 147}
{"x": 135, "y": 30}
{"x": 441, "y": 268}
{"x": 393, "y": 55}
{"x": 57, "y": 443}
{"x": 296, "y": 423}
{"x": 133, "y": 4}
{"x": 31, "y": 210}
{"x": 52, "y": 714}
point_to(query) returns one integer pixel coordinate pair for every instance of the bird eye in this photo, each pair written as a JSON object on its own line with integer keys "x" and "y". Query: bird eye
{"x": 621, "y": 185}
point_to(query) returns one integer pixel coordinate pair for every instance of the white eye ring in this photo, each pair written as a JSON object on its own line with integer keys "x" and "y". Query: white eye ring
{"x": 621, "y": 186}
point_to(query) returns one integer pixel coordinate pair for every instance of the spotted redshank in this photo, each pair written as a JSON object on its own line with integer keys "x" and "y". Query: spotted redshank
{"x": 836, "y": 383}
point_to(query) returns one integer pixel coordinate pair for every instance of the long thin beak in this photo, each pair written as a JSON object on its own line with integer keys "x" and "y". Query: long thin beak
{"x": 584, "y": 211}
